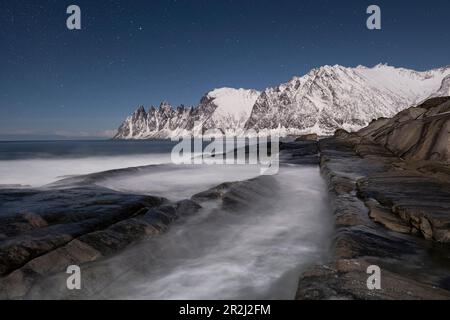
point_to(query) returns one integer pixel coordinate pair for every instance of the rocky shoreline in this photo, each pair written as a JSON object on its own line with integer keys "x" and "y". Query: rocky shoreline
{"x": 389, "y": 186}
{"x": 390, "y": 191}
{"x": 79, "y": 223}
{"x": 63, "y": 227}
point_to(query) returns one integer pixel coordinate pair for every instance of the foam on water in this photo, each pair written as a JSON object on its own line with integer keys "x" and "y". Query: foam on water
{"x": 177, "y": 182}
{"x": 254, "y": 253}
{"x": 37, "y": 172}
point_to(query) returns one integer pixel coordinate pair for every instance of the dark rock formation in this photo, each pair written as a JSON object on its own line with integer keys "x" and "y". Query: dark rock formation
{"x": 56, "y": 228}
{"x": 299, "y": 152}
{"x": 390, "y": 188}
{"x": 418, "y": 133}
{"x": 308, "y": 137}
{"x": 75, "y": 222}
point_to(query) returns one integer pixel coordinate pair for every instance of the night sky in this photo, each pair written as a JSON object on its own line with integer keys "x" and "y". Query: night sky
{"x": 55, "y": 82}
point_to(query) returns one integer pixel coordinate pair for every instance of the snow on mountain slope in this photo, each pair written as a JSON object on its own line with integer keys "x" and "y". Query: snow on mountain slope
{"x": 234, "y": 107}
{"x": 444, "y": 90}
{"x": 334, "y": 97}
{"x": 402, "y": 81}
{"x": 325, "y": 99}
{"x": 233, "y": 102}
{"x": 226, "y": 109}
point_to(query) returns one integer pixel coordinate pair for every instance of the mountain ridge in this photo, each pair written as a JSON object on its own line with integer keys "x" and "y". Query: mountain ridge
{"x": 323, "y": 100}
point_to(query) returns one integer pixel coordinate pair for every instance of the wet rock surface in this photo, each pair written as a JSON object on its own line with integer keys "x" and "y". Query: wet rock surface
{"x": 55, "y": 228}
{"x": 391, "y": 210}
{"x": 390, "y": 198}
{"x": 299, "y": 152}
{"x": 43, "y": 231}
{"x": 35, "y": 222}
{"x": 307, "y": 137}
{"x": 100, "y": 274}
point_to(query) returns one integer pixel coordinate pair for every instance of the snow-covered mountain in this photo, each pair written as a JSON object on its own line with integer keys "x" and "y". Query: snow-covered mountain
{"x": 334, "y": 97}
{"x": 234, "y": 108}
{"x": 444, "y": 90}
{"x": 325, "y": 99}
{"x": 224, "y": 109}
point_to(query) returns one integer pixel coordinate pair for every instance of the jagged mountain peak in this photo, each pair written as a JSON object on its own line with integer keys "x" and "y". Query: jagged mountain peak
{"x": 227, "y": 109}
{"x": 321, "y": 101}
{"x": 332, "y": 97}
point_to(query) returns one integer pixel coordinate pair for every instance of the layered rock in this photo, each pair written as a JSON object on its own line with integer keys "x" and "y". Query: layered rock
{"x": 418, "y": 133}
{"x": 74, "y": 225}
{"x": 385, "y": 206}
{"x": 44, "y": 275}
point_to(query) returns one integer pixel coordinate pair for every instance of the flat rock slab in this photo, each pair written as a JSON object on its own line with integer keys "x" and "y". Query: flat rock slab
{"x": 299, "y": 152}
{"x": 347, "y": 280}
{"x": 34, "y": 222}
{"x": 385, "y": 213}
{"x": 421, "y": 202}
{"x": 46, "y": 230}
